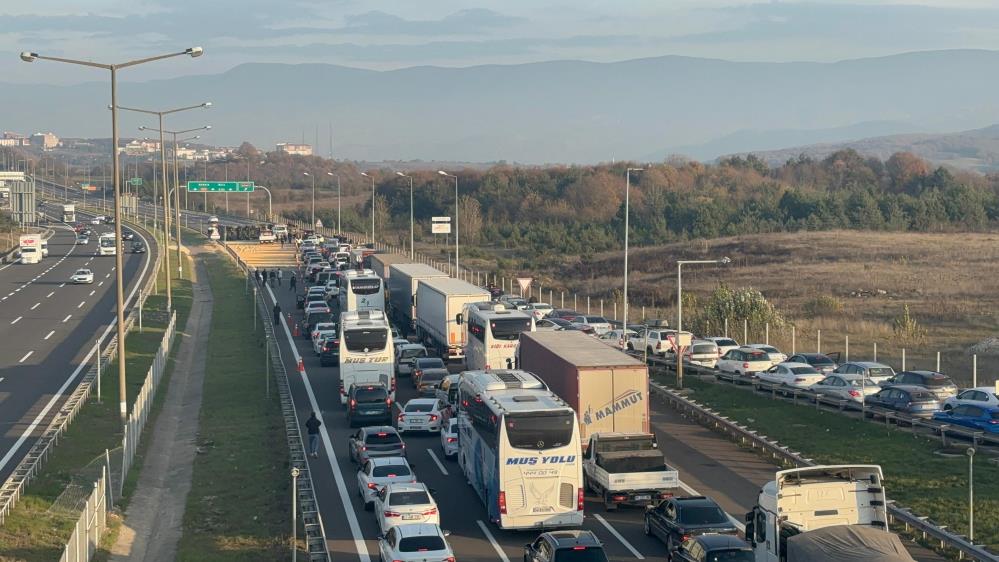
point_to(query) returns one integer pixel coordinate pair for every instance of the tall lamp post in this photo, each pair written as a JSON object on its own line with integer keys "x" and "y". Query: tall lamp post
{"x": 679, "y": 285}
{"x": 627, "y": 213}
{"x": 445, "y": 174}
{"x": 412, "y": 237}
{"x": 119, "y": 281}
{"x": 365, "y": 174}
{"x": 313, "y": 197}
{"x": 337, "y": 176}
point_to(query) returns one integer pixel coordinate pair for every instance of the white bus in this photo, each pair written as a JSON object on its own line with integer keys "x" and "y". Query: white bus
{"x": 107, "y": 245}
{"x": 493, "y": 335}
{"x": 519, "y": 449}
{"x": 366, "y": 351}
{"x": 361, "y": 290}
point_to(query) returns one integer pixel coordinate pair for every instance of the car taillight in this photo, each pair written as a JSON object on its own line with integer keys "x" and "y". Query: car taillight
{"x": 619, "y": 497}
{"x": 419, "y": 372}
{"x": 502, "y": 502}
{"x": 449, "y": 559}
{"x": 433, "y": 417}
{"x": 402, "y": 417}
{"x": 453, "y": 439}
{"x": 353, "y": 403}
{"x": 745, "y": 365}
{"x": 579, "y": 500}
{"x": 854, "y": 393}
{"x": 685, "y": 538}
{"x": 391, "y": 513}
{"x": 372, "y": 485}
{"x": 364, "y": 447}
{"x": 579, "y": 548}
{"x": 431, "y": 511}
{"x": 388, "y": 401}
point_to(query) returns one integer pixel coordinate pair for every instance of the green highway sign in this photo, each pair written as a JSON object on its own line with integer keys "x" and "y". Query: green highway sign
{"x": 238, "y": 186}
{"x": 135, "y": 181}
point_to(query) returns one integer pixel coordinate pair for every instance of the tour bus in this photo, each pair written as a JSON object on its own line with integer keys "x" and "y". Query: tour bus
{"x": 493, "y": 335}
{"x": 107, "y": 245}
{"x": 361, "y": 290}
{"x": 366, "y": 351}
{"x": 519, "y": 449}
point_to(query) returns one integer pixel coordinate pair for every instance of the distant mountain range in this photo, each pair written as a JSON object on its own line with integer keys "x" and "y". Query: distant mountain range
{"x": 976, "y": 150}
{"x": 560, "y": 111}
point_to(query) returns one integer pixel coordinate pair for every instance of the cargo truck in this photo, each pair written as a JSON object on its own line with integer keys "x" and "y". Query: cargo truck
{"x": 381, "y": 263}
{"x": 69, "y": 213}
{"x": 30, "y": 248}
{"x": 628, "y": 468}
{"x": 439, "y": 302}
{"x": 401, "y": 284}
{"x": 608, "y": 388}
{"x": 832, "y": 513}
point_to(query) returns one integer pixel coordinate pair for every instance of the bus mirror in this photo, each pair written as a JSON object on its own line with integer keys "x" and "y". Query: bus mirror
{"x": 457, "y": 319}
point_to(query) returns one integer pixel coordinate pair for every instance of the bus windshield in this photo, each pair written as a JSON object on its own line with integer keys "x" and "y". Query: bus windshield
{"x": 509, "y": 328}
{"x": 107, "y": 242}
{"x": 365, "y": 339}
{"x": 365, "y": 286}
{"x": 539, "y": 431}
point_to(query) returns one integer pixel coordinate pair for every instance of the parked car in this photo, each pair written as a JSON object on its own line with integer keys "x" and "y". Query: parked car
{"x": 703, "y": 353}
{"x": 617, "y": 337}
{"x": 82, "y": 239}
{"x": 822, "y": 363}
{"x": 876, "y": 373}
{"x": 539, "y": 309}
{"x": 515, "y": 302}
{"x": 404, "y": 504}
{"x": 406, "y": 355}
{"x": 982, "y": 418}
{"x": 713, "y": 548}
{"x": 796, "y": 375}
{"x": 598, "y": 323}
{"x": 915, "y": 401}
{"x": 375, "y": 441}
{"x": 588, "y": 330}
{"x": 654, "y": 341}
{"x": 424, "y": 364}
{"x": 565, "y": 546}
{"x": 421, "y": 542}
{"x": 420, "y": 414}
{"x": 551, "y": 324}
{"x": 368, "y": 404}
{"x": 566, "y": 313}
{"x": 449, "y": 439}
{"x": 725, "y": 344}
{"x": 745, "y": 362}
{"x": 376, "y": 473}
{"x": 674, "y": 520}
{"x": 981, "y": 396}
{"x": 847, "y": 387}
{"x": 938, "y": 383}
{"x": 775, "y": 355}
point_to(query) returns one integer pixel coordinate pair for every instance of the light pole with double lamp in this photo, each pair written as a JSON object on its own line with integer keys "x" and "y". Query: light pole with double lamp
{"x": 412, "y": 237}
{"x": 372, "y": 178}
{"x": 447, "y": 175}
{"x": 337, "y": 176}
{"x": 119, "y": 281}
{"x": 176, "y": 201}
{"x": 627, "y": 213}
{"x": 313, "y": 225}
{"x": 679, "y": 285}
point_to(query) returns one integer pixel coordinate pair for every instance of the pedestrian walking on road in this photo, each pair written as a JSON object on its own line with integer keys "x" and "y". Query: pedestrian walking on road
{"x": 312, "y": 425}
{"x": 277, "y": 313}
{"x": 280, "y": 274}
{"x": 291, "y": 284}
{"x": 256, "y": 275}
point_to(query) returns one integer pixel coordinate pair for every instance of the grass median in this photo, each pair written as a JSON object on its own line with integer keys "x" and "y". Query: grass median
{"x": 39, "y": 526}
{"x": 917, "y": 476}
{"x": 239, "y": 506}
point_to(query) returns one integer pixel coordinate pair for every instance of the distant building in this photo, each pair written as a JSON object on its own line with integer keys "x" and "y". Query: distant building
{"x": 47, "y": 141}
{"x": 140, "y": 147}
{"x": 14, "y": 139}
{"x": 293, "y": 148}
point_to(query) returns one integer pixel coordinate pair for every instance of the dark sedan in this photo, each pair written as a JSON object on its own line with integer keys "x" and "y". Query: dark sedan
{"x": 676, "y": 519}
{"x": 938, "y": 383}
{"x": 713, "y": 548}
{"x": 821, "y": 362}
{"x": 915, "y": 401}
{"x": 138, "y": 248}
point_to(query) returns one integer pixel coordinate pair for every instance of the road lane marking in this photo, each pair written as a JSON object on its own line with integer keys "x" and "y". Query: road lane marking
{"x": 492, "y": 541}
{"x": 107, "y": 275}
{"x": 437, "y": 462}
{"x": 81, "y": 304}
{"x": 48, "y": 296}
{"x": 16, "y": 320}
{"x": 37, "y": 304}
{"x": 10, "y": 294}
{"x": 66, "y": 319}
{"x": 92, "y": 292}
{"x": 61, "y": 286}
{"x": 618, "y": 536}
{"x": 1, "y": 379}
{"x": 101, "y": 283}
{"x": 49, "y": 336}
{"x": 26, "y": 355}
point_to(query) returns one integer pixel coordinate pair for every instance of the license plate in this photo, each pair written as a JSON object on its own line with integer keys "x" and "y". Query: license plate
{"x": 542, "y": 510}
{"x": 643, "y": 497}
{"x": 410, "y": 517}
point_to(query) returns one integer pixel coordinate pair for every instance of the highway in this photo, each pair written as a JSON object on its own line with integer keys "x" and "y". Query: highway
{"x": 49, "y": 327}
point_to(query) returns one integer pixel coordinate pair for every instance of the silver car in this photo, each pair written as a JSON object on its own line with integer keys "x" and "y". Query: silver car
{"x": 847, "y": 387}
{"x": 875, "y": 372}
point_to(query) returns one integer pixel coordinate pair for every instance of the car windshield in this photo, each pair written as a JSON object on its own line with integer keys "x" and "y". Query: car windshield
{"x": 82, "y": 272}
{"x": 704, "y": 348}
{"x": 595, "y": 319}
{"x": 880, "y": 372}
{"x": 591, "y": 554}
{"x": 369, "y": 394}
{"x": 421, "y": 544}
{"x": 390, "y": 470}
{"x": 938, "y": 381}
{"x": 409, "y": 498}
{"x": 411, "y": 353}
{"x": 423, "y": 407}
{"x": 768, "y": 349}
{"x": 726, "y": 342}
{"x": 804, "y": 371}
{"x": 433, "y": 376}
{"x": 730, "y": 556}
{"x": 509, "y": 329}
{"x": 361, "y": 339}
{"x": 702, "y": 515}
{"x": 539, "y": 431}
{"x": 757, "y": 356}
{"x": 430, "y": 363}
{"x": 382, "y": 438}
{"x": 819, "y": 360}
{"x": 920, "y": 396}
{"x": 365, "y": 286}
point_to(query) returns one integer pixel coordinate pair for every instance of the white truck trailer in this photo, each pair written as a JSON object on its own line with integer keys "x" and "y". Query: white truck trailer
{"x": 69, "y": 213}
{"x": 438, "y": 304}
{"x": 30, "y": 248}
{"x": 402, "y": 283}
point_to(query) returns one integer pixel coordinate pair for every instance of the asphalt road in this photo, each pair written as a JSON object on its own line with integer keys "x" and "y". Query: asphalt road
{"x": 48, "y": 327}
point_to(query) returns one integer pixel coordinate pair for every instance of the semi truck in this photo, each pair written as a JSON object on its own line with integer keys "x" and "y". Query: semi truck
{"x": 381, "y": 263}
{"x": 628, "y": 468}
{"x": 401, "y": 284}
{"x": 608, "y": 388}
{"x": 835, "y": 513}
{"x": 439, "y": 302}
{"x": 69, "y": 213}
{"x": 30, "y": 248}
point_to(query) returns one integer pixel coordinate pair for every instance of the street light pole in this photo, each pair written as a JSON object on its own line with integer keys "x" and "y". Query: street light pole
{"x": 412, "y": 230}
{"x": 456, "y": 247}
{"x": 337, "y": 176}
{"x": 313, "y": 197}
{"x": 971, "y": 494}
{"x": 627, "y": 214}
{"x": 679, "y": 286}
{"x": 119, "y": 276}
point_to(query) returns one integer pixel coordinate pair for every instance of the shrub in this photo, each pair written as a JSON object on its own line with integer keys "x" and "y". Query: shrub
{"x": 823, "y": 305}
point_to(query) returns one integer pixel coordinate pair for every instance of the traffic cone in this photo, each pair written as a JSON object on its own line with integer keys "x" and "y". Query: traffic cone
{"x": 301, "y": 365}
{"x": 296, "y": 333}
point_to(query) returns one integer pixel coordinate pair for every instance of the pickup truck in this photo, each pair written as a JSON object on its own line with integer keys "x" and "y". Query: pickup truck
{"x": 627, "y": 468}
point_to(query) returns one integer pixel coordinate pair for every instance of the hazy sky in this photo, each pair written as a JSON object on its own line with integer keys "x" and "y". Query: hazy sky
{"x": 398, "y": 33}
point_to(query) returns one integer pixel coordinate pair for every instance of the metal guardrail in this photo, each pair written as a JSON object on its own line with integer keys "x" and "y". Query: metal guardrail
{"x": 746, "y": 436}
{"x": 308, "y": 506}
{"x": 13, "y": 488}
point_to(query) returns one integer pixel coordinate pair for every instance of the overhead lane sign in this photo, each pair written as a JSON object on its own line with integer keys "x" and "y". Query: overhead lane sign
{"x": 237, "y": 186}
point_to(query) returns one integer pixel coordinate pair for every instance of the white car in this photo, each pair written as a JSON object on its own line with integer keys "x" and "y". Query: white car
{"x": 331, "y": 289}
{"x": 420, "y": 414}
{"x": 316, "y": 290}
{"x": 515, "y": 302}
{"x": 321, "y": 331}
{"x": 95, "y": 220}
{"x": 316, "y": 306}
{"x": 379, "y": 472}
{"x": 599, "y": 324}
{"x": 980, "y": 396}
{"x": 795, "y": 375}
{"x": 724, "y": 344}
{"x": 415, "y": 543}
{"x": 82, "y": 276}
{"x": 540, "y": 310}
{"x": 744, "y": 361}
{"x": 847, "y": 387}
{"x": 401, "y": 504}
{"x": 617, "y": 337}
{"x": 775, "y": 355}
{"x": 449, "y": 439}
{"x": 703, "y": 353}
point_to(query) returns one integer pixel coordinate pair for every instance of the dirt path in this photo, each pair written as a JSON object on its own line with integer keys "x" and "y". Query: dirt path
{"x": 152, "y": 524}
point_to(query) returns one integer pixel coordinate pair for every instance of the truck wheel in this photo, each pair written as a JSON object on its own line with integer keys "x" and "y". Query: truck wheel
{"x": 610, "y": 506}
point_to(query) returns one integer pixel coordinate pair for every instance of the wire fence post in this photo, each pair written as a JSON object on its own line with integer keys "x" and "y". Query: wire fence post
{"x": 875, "y": 352}
{"x": 294, "y": 514}
{"x": 938, "y": 361}
{"x": 766, "y": 333}
{"x": 846, "y": 345}
{"x": 575, "y": 306}
{"x": 745, "y": 330}
{"x": 818, "y": 341}
{"x": 726, "y": 327}
{"x": 903, "y": 358}
{"x": 974, "y": 371}
{"x": 267, "y": 368}
{"x": 793, "y": 334}
{"x": 587, "y": 305}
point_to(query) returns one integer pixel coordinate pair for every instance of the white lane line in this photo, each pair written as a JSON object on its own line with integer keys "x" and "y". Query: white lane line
{"x": 355, "y": 527}
{"x": 48, "y": 296}
{"x": 437, "y": 462}
{"x": 49, "y": 336}
{"x": 16, "y": 320}
{"x": 37, "y": 304}
{"x": 107, "y": 275}
{"x": 62, "y": 285}
{"x": 81, "y": 304}
{"x": 1, "y": 379}
{"x": 738, "y": 524}
{"x": 101, "y": 283}
{"x": 26, "y": 355}
{"x": 618, "y": 536}
{"x": 10, "y": 294}
{"x": 92, "y": 292}
{"x": 66, "y": 319}
{"x": 492, "y": 541}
